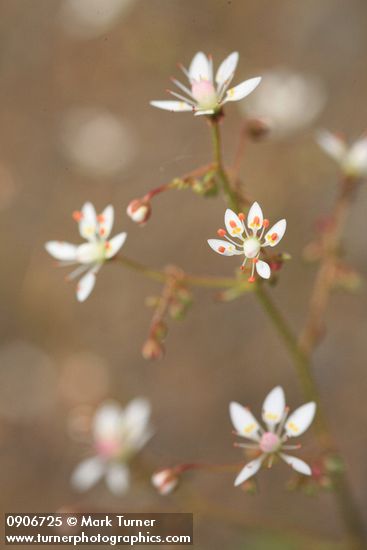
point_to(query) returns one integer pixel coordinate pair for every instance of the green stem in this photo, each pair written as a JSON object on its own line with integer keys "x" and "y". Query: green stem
{"x": 303, "y": 367}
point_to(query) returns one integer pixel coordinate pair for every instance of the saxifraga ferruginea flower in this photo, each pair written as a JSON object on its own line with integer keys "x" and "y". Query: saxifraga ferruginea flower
{"x": 351, "y": 159}
{"x": 118, "y": 434}
{"x": 207, "y": 95}
{"x": 91, "y": 255}
{"x": 251, "y": 240}
{"x": 272, "y": 441}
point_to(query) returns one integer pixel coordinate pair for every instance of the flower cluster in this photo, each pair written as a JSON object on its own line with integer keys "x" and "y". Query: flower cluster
{"x": 207, "y": 94}
{"x": 92, "y": 254}
{"x": 250, "y": 240}
{"x": 272, "y": 441}
{"x": 118, "y": 434}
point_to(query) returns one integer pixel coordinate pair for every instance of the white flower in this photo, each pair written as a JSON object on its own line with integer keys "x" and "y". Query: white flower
{"x": 92, "y": 254}
{"x": 352, "y": 159}
{"x": 270, "y": 442}
{"x": 118, "y": 435}
{"x": 206, "y": 95}
{"x": 286, "y": 101}
{"x": 165, "y": 481}
{"x": 250, "y": 241}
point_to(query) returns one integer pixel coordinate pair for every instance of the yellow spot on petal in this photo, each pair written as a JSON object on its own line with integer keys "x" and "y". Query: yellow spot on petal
{"x": 272, "y": 416}
{"x": 249, "y": 428}
{"x": 293, "y": 427}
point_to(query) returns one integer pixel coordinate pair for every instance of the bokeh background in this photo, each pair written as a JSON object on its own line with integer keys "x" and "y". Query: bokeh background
{"x": 76, "y": 80}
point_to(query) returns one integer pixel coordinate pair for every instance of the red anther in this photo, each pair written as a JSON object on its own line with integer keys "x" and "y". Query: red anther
{"x": 101, "y": 218}
{"x": 221, "y": 249}
{"x": 232, "y": 223}
{"x": 255, "y": 260}
{"x": 102, "y": 231}
{"x": 241, "y": 215}
{"x": 221, "y": 232}
{"x": 242, "y": 268}
{"x": 107, "y": 245}
{"x": 256, "y": 220}
{"x": 77, "y": 215}
{"x": 274, "y": 236}
{"x": 266, "y": 223}
{"x": 251, "y": 279}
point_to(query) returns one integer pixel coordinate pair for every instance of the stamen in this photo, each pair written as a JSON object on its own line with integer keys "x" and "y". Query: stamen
{"x": 101, "y": 218}
{"x": 266, "y": 223}
{"x": 221, "y": 232}
{"x": 77, "y": 215}
{"x": 241, "y": 215}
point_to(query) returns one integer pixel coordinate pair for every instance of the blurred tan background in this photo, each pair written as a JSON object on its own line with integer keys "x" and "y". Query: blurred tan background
{"x": 75, "y": 126}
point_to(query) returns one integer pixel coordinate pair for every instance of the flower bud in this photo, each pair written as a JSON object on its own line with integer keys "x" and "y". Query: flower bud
{"x": 257, "y": 128}
{"x": 139, "y": 211}
{"x": 165, "y": 481}
{"x": 152, "y": 349}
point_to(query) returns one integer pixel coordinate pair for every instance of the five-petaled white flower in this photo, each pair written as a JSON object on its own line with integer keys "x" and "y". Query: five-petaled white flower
{"x": 271, "y": 442}
{"x": 250, "y": 242}
{"x": 91, "y": 255}
{"x": 352, "y": 159}
{"x": 118, "y": 434}
{"x": 206, "y": 96}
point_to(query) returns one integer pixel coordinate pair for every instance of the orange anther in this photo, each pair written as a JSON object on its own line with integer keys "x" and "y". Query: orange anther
{"x": 255, "y": 260}
{"x": 242, "y": 268}
{"x": 101, "y": 218}
{"x": 102, "y": 231}
{"x": 251, "y": 279}
{"x": 274, "y": 236}
{"x": 221, "y": 232}
{"x": 107, "y": 245}
{"x": 256, "y": 220}
{"x": 221, "y": 249}
{"x": 266, "y": 223}
{"x": 241, "y": 215}
{"x": 77, "y": 215}
{"x": 232, "y": 223}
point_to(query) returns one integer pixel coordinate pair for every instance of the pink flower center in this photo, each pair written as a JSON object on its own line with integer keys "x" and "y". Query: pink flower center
{"x": 108, "y": 448}
{"x": 269, "y": 442}
{"x": 205, "y": 94}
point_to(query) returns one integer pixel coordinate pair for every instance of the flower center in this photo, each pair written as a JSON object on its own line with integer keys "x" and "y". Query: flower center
{"x": 251, "y": 247}
{"x": 205, "y": 94}
{"x": 108, "y": 448}
{"x": 269, "y": 442}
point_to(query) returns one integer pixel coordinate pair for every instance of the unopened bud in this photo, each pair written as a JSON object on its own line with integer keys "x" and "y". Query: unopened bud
{"x": 165, "y": 481}
{"x": 152, "y": 349}
{"x": 139, "y": 211}
{"x": 257, "y": 128}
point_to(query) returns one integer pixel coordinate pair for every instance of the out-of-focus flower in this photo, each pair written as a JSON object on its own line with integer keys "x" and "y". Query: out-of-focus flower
{"x": 165, "y": 481}
{"x": 92, "y": 254}
{"x": 271, "y": 442}
{"x": 351, "y": 159}
{"x": 139, "y": 211}
{"x": 91, "y": 18}
{"x": 250, "y": 242}
{"x": 118, "y": 434}
{"x": 286, "y": 101}
{"x": 207, "y": 95}
{"x": 97, "y": 141}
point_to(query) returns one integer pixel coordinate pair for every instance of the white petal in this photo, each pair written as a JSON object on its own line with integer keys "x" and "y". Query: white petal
{"x": 263, "y": 269}
{"x": 115, "y": 244}
{"x": 87, "y": 473}
{"x": 297, "y": 464}
{"x": 233, "y": 223}
{"x": 105, "y": 221}
{"x": 89, "y": 253}
{"x": 274, "y": 406}
{"x": 242, "y": 90}
{"x": 276, "y": 233}
{"x": 200, "y": 112}
{"x": 200, "y": 68}
{"x": 255, "y": 217}
{"x": 248, "y": 471}
{"x": 226, "y": 68}
{"x": 135, "y": 421}
{"x": 223, "y": 247}
{"x": 88, "y": 222}
{"x": 61, "y": 250}
{"x": 356, "y": 159}
{"x": 332, "y": 144}
{"x": 85, "y": 286}
{"x": 300, "y": 419}
{"x": 106, "y": 421}
{"x": 244, "y": 421}
{"x": 117, "y": 478}
{"x": 174, "y": 106}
